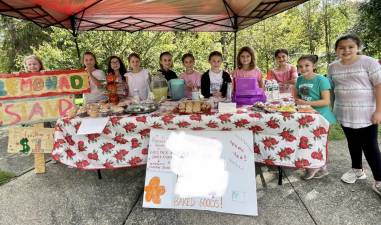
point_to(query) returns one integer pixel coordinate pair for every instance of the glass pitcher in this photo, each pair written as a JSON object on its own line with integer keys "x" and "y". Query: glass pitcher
{"x": 159, "y": 87}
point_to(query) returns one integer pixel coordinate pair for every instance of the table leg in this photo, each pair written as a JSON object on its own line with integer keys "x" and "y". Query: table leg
{"x": 258, "y": 170}
{"x": 280, "y": 175}
{"x": 99, "y": 174}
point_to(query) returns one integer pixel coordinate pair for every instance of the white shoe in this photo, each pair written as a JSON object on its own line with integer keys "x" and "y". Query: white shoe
{"x": 352, "y": 175}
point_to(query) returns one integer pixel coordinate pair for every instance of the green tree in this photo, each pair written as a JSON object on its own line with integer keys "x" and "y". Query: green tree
{"x": 369, "y": 27}
{"x": 18, "y": 38}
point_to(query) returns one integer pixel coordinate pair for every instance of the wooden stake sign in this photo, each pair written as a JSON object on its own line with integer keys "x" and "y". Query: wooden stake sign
{"x": 33, "y": 98}
{"x": 30, "y": 140}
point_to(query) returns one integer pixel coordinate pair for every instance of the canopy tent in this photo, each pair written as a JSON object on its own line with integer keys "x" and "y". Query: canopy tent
{"x": 146, "y": 15}
{"x": 139, "y": 15}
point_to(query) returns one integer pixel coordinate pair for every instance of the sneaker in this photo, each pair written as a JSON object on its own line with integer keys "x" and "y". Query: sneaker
{"x": 377, "y": 188}
{"x": 352, "y": 175}
{"x": 310, "y": 173}
{"x": 321, "y": 173}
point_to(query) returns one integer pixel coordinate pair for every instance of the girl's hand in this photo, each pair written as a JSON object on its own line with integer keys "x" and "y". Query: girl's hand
{"x": 189, "y": 84}
{"x": 217, "y": 94}
{"x": 301, "y": 102}
{"x": 376, "y": 117}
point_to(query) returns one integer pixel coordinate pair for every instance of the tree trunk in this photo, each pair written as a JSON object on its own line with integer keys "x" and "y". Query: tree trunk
{"x": 327, "y": 31}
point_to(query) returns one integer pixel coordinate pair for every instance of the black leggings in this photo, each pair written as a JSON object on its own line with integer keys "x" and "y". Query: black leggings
{"x": 364, "y": 140}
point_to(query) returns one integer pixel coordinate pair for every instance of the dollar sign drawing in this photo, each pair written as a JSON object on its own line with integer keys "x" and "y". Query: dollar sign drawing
{"x": 25, "y": 146}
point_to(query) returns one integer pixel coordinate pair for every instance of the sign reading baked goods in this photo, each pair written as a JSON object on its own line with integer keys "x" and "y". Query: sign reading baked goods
{"x": 34, "y": 110}
{"x": 203, "y": 170}
{"x": 40, "y": 84}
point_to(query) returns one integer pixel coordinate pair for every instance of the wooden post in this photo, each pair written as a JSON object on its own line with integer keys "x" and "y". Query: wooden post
{"x": 39, "y": 158}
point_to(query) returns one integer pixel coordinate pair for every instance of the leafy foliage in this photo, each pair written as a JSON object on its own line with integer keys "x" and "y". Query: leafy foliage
{"x": 368, "y": 27}
{"x": 18, "y": 38}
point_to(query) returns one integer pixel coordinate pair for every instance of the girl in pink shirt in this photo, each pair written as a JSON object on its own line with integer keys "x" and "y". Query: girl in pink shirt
{"x": 247, "y": 66}
{"x": 191, "y": 77}
{"x": 285, "y": 74}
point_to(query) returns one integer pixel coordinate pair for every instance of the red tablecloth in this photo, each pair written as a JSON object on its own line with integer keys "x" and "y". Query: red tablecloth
{"x": 285, "y": 139}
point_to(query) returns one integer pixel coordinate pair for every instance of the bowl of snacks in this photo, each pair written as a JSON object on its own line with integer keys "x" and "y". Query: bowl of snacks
{"x": 141, "y": 108}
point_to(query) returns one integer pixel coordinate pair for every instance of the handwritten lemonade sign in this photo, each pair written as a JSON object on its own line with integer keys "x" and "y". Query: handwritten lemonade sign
{"x": 204, "y": 170}
{"x": 32, "y": 110}
{"x": 48, "y": 83}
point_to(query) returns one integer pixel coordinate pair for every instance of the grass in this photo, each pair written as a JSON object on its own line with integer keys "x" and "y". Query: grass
{"x": 336, "y": 133}
{"x": 5, "y": 177}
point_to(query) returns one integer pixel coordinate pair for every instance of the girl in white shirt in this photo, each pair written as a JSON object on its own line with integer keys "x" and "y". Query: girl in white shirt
{"x": 138, "y": 79}
{"x": 96, "y": 77}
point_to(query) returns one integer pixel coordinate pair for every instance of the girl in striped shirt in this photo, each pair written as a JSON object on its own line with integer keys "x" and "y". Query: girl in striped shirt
{"x": 357, "y": 106}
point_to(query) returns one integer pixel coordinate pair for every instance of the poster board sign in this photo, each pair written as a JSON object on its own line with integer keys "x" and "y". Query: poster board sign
{"x": 36, "y": 139}
{"x": 203, "y": 170}
{"x": 42, "y": 84}
{"x": 33, "y": 110}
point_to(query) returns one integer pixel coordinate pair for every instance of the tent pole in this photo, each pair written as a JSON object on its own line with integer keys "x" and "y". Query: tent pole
{"x": 75, "y": 34}
{"x": 235, "y": 49}
{"x": 78, "y": 51}
{"x": 235, "y": 26}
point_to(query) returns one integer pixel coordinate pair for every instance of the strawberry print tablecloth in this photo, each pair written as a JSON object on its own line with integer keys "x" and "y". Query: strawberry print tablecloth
{"x": 284, "y": 139}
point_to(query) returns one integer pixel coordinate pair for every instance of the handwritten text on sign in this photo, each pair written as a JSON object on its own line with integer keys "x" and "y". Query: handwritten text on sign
{"x": 48, "y": 83}
{"x": 204, "y": 170}
{"x": 34, "y": 110}
{"x": 39, "y": 140}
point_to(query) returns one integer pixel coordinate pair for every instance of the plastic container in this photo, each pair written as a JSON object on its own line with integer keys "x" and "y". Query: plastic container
{"x": 136, "y": 96}
{"x": 247, "y": 92}
{"x": 229, "y": 92}
{"x": 176, "y": 89}
{"x": 275, "y": 90}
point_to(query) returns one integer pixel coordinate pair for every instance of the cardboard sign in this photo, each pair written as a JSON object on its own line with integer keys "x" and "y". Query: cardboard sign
{"x": 227, "y": 107}
{"x": 47, "y": 83}
{"x": 30, "y": 140}
{"x": 34, "y": 110}
{"x": 204, "y": 170}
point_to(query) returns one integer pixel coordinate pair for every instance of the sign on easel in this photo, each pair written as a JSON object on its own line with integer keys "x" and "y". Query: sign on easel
{"x": 203, "y": 170}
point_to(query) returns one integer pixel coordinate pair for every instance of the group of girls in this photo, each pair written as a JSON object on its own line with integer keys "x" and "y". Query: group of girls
{"x": 354, "y": 78}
